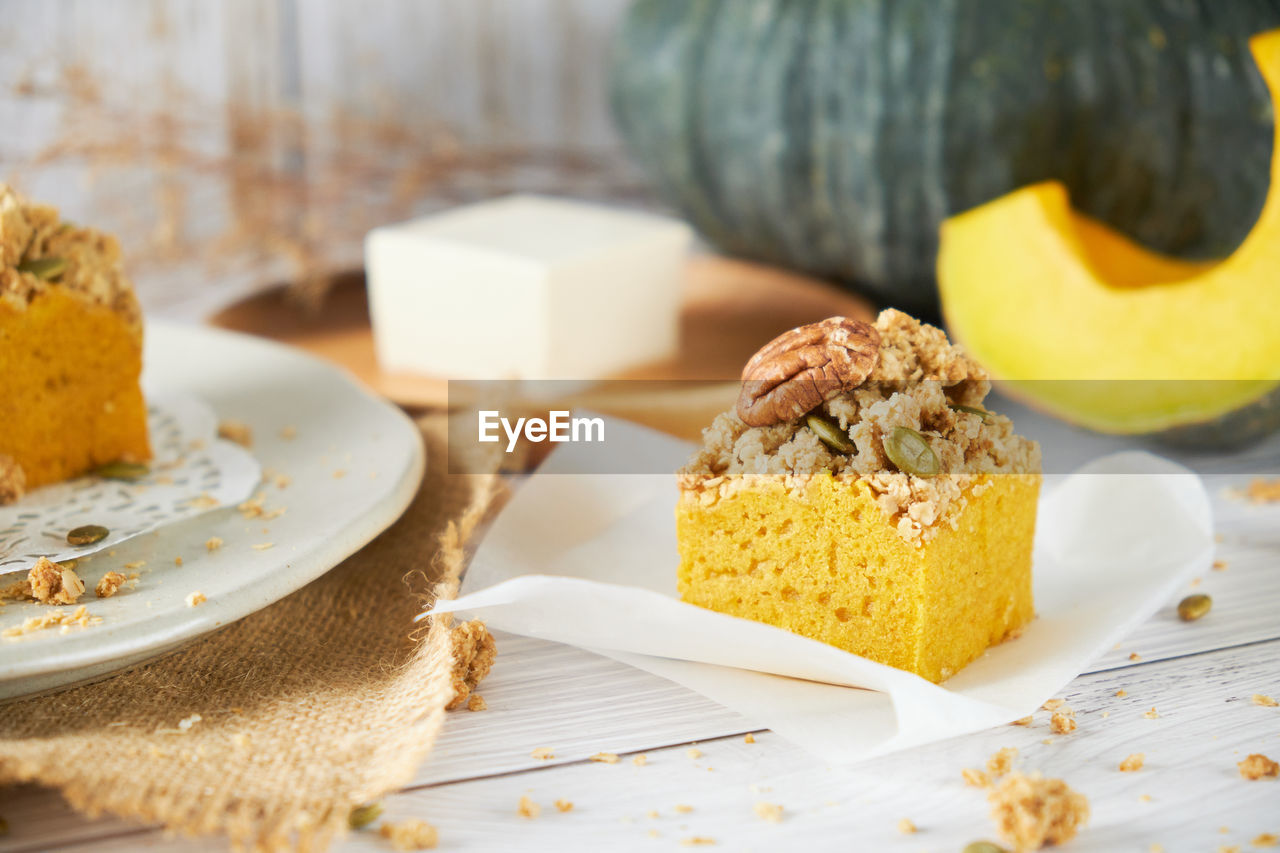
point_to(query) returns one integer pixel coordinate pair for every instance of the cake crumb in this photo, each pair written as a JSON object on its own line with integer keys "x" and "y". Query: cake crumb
{"x": 177, "y": 561}
{"x": 54, "y": 583}
{"x": 289, "y": 433}
{"x": 1219, "y": 565}
{"x": 1062, "y": 723}
{"x": 1133, "y": 763}
{"x": 748, "y": 738}
{"x": 1262, "y": 491}
{"x": 1031, "y": 811}
{"x": 1053, "y": 704}
{"x": 1264, "y": 701}
{"x": 1266, "y": 839}
{"x": 681, "y": 808}
{"x": 1134, "y": 656}
{"x": 640, "y": 760}
{"x": 604, "y": 758}
{"x": 1001, "y": 762}
{"x": 109, "y": 584}
{"x": 238, "y": 431}
{"x": 1121, "y": 693}
{"x": 693, "y": 753}
{"x": 697, "y": 841}
{"x": 1152, "y": 714}
{"x": 1022, "y": 721}
{"x": 975, "y": 777}
{"x": 196, "y": 598}
{"x": 769, "y": 812}
{"x": 212, "y": 544}
{"x": 542, "y": 753}
{"x": 476, "y": 703}
{"x": 528, "y": 808}
{"x": 1144, "y": 798}
{"x": 410, "y": 835}
{"x": 474, "y": 652}
{"x": 906, "y": 827}
{"x": 564, "y": 805}
{"x": 1258, "y": 766}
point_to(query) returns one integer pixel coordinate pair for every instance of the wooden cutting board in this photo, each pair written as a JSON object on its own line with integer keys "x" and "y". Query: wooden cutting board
{"x": 730, "y": 309}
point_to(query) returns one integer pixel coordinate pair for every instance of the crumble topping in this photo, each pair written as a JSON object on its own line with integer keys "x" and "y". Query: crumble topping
{"x": 1032, "y": 811}
{"x": 32, "y": 232}
{"x": 477, "y": 703}
{"x": 473, "y": 654}
{"x": 1063, "y": 722}
{"x": 13, "y": 480}
{"x": 917, "y": 380}
{"x": 1258, "y": 766}
{"x": 54, "y": 583}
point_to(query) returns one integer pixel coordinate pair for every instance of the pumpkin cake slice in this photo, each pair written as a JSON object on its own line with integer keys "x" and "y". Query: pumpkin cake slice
{"x": 860, "y": 494}
{"x": 70, "y": 351}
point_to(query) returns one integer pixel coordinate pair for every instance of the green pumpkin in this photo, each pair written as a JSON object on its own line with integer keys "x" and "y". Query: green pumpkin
{"x": 834, "y": 136}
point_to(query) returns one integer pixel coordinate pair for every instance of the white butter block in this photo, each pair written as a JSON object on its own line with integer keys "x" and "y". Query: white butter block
{"x": 526, "y": 287}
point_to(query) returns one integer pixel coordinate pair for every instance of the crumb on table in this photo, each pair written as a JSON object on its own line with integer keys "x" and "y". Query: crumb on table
{"x": 1261, "y": 491}
{"x": 906, "y": 827}
{"x": 1264, "y": 701}
{"x": 474, "y": 651}
{"x": 604, "y": 758}
{"x": 1133, "y": 763}
{"x": 195, "y": 599}
{"x": 769, "y": 812}
{"x": 1001, "y": 762}
{"x": 1031, "y": 811}
{"x": 1258, "y": 766}
{"x": 1062, "y": 723}
{"x": 528, "y": 808}
{"x": 237, "y": 431}
{"x": 212, "y": 544}
{"x": 410, "y": 835}
{"x": 564, "y": 805}
{"x": 476, "y": 703}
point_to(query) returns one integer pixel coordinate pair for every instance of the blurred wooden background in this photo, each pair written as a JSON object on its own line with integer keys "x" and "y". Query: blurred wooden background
{"x": 234, "y": 143}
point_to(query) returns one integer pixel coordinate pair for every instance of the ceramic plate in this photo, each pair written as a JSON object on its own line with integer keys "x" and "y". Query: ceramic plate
{"x": 340, "y": 463}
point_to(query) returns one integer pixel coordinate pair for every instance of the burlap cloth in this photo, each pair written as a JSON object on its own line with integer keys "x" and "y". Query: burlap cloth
{"x": 325, "y": 700}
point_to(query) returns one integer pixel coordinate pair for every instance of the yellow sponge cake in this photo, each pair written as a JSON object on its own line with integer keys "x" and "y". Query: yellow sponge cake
{"x": 860, "y": 494}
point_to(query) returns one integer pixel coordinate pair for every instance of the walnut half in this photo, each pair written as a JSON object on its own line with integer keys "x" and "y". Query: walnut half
{"x": 801, "y": 369}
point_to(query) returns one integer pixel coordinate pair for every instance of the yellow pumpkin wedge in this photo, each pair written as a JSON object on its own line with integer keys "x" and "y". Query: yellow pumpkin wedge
{"x": 1077, "y": 319}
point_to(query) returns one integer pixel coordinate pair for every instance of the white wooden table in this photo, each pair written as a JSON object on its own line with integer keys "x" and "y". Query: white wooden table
{"x": 1200, "y": 678}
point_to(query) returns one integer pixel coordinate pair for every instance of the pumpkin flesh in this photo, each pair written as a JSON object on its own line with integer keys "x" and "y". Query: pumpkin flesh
{"x": 1069, "y": 313}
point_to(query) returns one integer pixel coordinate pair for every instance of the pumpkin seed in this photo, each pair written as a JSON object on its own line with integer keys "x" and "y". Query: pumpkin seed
{"x": 970, "y": 410}
{"x": 1193, "y": 607}
{"x": 983, "y": 847}
{"x": 830, "y": 433}
{"x": 362, "y": 816}
{"x": 129, "y": 472}
{"x": 87, "y": 535}
{"x": 910, "y": 453}
{"x": 44, "y": 268}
